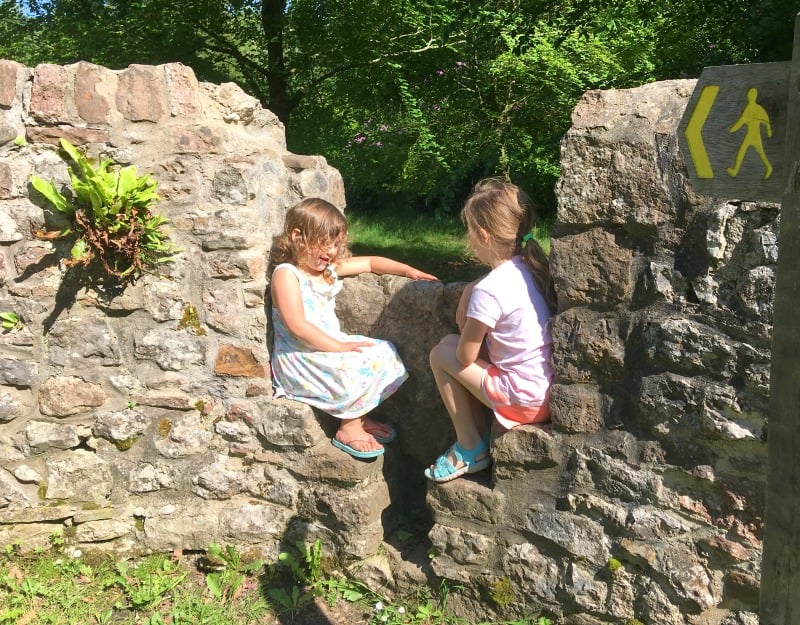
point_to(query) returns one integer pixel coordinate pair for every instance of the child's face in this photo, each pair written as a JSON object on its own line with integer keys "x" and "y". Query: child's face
{"x": 318, "y": 256}
{"x": 479, "y": 243}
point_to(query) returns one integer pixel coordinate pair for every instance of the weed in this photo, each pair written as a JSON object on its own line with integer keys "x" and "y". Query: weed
{"x": 112, "y": 222}
{"x": 164, "y": 427}
{"x": 191, "y": 320}
{"x": 227, "y": 580}
{"x": 10, "y": 321}
{"x": 613, "y": 565}
{"x": 148, "y": 582}
{"x": 502, "y": 592}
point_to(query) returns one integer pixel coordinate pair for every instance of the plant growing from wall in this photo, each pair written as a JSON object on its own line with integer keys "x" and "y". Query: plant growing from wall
{"x": 112, "y": 220}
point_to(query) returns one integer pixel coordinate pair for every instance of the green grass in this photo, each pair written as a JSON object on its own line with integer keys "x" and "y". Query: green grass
{"x": 435, "y": 245}
{"x": 221, "y": 587}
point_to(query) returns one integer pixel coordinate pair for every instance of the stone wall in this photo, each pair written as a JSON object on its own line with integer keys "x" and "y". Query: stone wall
{"x": 643, "y": 499}
{"x": 127, "y": 427}
{"x": 129, "y": 422}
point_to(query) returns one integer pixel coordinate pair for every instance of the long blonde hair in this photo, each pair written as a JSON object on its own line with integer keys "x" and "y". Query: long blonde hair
{"x": 506, "y": 213}
{"x": 319, "y": 223}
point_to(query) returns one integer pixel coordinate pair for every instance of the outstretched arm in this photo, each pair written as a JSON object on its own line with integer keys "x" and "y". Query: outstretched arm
{"x": 379, "y": 264}
{"x": 287, "y": 298}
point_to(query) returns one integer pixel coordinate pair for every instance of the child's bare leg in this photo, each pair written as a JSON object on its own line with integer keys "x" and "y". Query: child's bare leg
{"x": 352, "y": 433}
{"x": 460, "y": 388}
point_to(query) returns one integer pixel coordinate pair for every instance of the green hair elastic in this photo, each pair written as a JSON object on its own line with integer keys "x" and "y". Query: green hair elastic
{"x": 525, "y": 240}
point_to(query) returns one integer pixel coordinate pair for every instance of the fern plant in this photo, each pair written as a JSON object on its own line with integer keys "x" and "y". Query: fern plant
{"x": 112, "y": 220}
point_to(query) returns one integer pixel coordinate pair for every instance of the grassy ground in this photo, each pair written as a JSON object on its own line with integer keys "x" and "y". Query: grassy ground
{"x": 60, "y": 586}
{"x": 436, "y": 245}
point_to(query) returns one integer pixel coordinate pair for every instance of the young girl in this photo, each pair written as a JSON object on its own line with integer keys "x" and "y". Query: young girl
{"x": 313, "y": 361}
{"x": 501, "y": 359}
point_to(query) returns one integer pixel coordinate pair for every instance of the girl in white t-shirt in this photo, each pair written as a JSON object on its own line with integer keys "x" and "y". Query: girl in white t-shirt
{"x": 501, "y": 359}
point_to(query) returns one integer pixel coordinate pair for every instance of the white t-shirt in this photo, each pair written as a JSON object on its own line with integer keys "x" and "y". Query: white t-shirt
{"x": 518, "y": 339}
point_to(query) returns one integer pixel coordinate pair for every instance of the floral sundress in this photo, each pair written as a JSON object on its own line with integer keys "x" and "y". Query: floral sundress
{"x": 344, "y": 384}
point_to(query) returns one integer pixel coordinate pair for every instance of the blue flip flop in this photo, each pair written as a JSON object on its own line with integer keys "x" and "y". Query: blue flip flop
{"x": 362, "y": 455}
{"x": 384, "y": 440}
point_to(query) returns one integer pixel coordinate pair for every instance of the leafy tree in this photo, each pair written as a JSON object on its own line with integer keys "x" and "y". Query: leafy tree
{"x": 412, "y": 100}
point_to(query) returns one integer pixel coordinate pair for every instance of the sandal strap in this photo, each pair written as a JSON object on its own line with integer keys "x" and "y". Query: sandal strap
{"x": 470, "y": 456}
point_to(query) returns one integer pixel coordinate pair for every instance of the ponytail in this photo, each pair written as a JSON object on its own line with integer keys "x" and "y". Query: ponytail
{"x": 537, "y": 261}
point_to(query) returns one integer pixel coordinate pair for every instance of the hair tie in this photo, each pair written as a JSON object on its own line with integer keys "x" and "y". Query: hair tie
{"x": 525, "y": 240}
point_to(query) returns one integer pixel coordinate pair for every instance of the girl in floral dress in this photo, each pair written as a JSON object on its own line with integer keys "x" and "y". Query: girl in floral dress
{"x": 313, "y": 361}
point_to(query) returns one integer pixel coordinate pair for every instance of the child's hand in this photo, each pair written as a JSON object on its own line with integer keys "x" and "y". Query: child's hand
{"x": 354, "y": 346}
{"x": 416, "y": 274}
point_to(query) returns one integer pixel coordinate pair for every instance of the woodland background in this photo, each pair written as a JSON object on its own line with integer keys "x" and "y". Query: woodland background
{"x": 412, "y": 100}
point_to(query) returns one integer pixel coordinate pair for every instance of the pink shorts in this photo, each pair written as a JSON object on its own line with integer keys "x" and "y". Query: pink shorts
{"x": 507, "y": 414}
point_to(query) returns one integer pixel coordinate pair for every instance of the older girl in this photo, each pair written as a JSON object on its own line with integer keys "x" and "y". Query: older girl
{"x": 501, "y": 359}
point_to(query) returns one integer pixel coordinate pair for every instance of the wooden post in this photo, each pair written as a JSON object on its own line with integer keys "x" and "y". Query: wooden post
{"x": 780, "y": 567}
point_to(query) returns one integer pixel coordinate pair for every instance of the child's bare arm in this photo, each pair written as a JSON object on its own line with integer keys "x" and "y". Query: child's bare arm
{"x": 379, "y": 264}
{"x": 287, "y": 298}
{"x": 471, "y": 341}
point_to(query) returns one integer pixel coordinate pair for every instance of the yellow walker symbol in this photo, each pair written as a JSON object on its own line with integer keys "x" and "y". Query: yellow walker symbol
{"x": 753, "y": 116}
{"x": 736, "y": 112}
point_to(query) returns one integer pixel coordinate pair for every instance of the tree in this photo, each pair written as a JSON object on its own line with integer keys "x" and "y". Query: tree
{"x": 412, "y": 100}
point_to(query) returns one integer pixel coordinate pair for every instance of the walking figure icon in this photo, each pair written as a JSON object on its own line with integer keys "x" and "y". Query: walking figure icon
{"x": 753, "y": 117}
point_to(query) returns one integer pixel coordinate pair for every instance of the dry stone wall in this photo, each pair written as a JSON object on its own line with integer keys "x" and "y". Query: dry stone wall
{"x": 642, "y": 501}
{"x": 142, "y": 420}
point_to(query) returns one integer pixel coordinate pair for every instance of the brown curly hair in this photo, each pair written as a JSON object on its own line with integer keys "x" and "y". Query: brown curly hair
{"x": 319, "y": 224}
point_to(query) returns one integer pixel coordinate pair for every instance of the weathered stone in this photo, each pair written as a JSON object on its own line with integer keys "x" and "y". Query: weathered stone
{"x": 41, "y": 436}
{"x": 578, "y": 407}
{"x": 27, "y": 475}
{"x": 237, "y": 361}
{"x": 588, "y": 346}
{"x": 75, "y": 135}
{"x": 218, "y": 481}
{"x": 148, "y": 478}
{"x": 76, "y": 341}
{"x": 579, "y": 536}
{"x": 9, "y": 75}
{"x": 12, "y": 497}
{"x": 101, "y": 531}
{"x": 184, "y": 96}
{"x": 467, "y": 500}
{"x": 461, "y": 546}
{"x": 78, "y": 475}
{"x": 173, "y": 350}
{"x": 605, "y": 273}
{"x": 533, "y": 571}
{"x": 48, "y": 93}
{"x": 92, "y": 106}
{"x": 181, "y": 435}
{"x": 119, "y": 427}
{"x": 141, "y": 94}
{"x": 19, "y": 373}
{"x": 61, "y": 396}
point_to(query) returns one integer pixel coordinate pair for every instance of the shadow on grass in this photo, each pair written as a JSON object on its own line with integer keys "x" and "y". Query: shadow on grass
{"x": 439, "y": 262}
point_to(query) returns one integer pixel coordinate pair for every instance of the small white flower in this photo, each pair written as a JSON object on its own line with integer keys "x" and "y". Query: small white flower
{"x": 378, "y": 606}
{"x": 77, "y": 553}
{"x": 401, "y": 610}
{"x": 384, "y": 618}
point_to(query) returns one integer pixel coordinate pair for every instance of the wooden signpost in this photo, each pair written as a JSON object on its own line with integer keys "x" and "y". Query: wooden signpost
{"x": 740, "y": 136}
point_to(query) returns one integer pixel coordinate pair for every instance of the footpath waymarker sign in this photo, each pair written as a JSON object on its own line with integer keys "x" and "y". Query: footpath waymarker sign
{"x": 733, "y": 132}
{"x": 740, "y": 136}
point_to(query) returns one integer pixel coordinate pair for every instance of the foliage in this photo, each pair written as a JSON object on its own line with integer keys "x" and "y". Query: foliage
{"x": 413, "y": 101}
{"x": 226, "y": 581}
{"x": 50, "y": 586}
{"x": 10, "y": 321}
{"x": 112, "y": 222}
